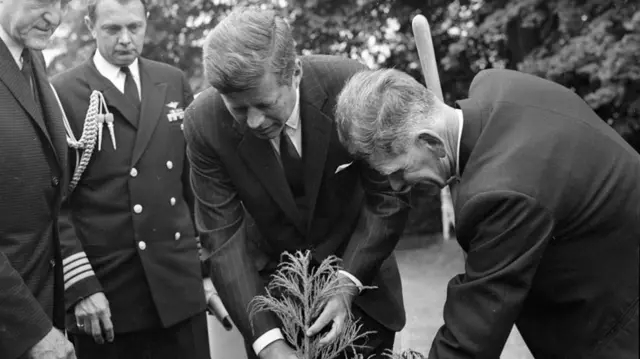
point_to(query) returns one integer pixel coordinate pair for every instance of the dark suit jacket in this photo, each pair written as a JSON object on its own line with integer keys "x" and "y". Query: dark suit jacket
{"x": 146, "y": 263}
{"x": 548, "y": 211}
{"x": 33, "y": 156}
{"x": 232, "y": 167}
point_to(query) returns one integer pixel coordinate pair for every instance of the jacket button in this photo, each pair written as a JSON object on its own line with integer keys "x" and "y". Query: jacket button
{"x": 177, "y": 236}
{"x": 133, "y": 172}
{"x": 137, "y": 208}
{"x": 169, "y": 164}
{"x": 142, "y": 245}
{"x": 173, "y": 201}
{"x": 55, "y": 181}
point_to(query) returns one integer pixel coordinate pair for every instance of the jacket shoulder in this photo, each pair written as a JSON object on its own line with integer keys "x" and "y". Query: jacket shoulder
{"x": 332, "y": 72}
{"x": 162, "y": 71}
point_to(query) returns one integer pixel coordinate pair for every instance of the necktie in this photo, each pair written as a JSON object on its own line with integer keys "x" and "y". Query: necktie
{"x": 130, "y": 87}
{"x": 291, "y": 163}
{"x": 27, "y": 71}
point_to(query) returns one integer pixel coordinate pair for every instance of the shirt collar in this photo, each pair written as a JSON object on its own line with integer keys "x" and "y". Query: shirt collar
{"x": 112, "y": 71}
{"x": 461, "y": 124}
{"x": 294, "y": 118}
{"x": 13, "y": 46}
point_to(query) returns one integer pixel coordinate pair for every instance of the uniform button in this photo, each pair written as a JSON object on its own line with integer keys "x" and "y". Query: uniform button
{"x": 55, "y": 181}
{"x": 137, "y": 208}
{"x": 142, "y": 246}
{"x": 169, "y": 164}
{"x": 177, "y": 236}
{"x": 133, "y": 172}
{"x": 173, "y": 201}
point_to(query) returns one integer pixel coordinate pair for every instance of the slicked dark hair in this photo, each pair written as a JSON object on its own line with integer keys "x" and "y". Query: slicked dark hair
{"x": 93, "y": 4}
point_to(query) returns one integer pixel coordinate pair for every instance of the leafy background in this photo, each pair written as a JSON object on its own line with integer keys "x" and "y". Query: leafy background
{"x": 589, "y": 46}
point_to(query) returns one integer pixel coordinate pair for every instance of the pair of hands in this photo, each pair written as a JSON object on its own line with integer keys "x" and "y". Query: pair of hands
{"x": 336, "y": 312}
{"x": 93, "y": 317}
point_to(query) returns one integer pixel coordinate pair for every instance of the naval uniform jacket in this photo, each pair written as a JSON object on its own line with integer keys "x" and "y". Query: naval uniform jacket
{"x": 348, "y": 210}
{"x": 131, "y": 213}
{"x": 33, "y": 159}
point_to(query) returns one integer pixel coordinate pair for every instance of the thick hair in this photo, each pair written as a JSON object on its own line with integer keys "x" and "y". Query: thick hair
{"x": 93, "y": 4}
{"x": 246, "y": 45}
{"x": 378, "y": 110}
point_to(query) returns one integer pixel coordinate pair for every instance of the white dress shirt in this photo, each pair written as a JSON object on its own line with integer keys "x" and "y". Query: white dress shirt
{"x": 115, "y": 75}
{"x": 461, "y": 124}
{"x": 14, "y": 48}
{"x": 293, "y": 127}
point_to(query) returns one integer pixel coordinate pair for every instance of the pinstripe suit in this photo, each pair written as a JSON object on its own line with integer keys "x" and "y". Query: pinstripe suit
{"x": 231, "y": 168}
{"x": 33, "y": 154}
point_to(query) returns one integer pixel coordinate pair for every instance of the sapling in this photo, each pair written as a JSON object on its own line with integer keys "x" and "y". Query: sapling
{"x": 297, "y": 294}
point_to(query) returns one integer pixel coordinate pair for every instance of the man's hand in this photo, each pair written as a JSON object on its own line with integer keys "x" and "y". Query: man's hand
{"x": 336, "y": 311}
{"x": 278, "y": 350}
{"x": 54, "y": 345}
{"x": 93, "y": 317}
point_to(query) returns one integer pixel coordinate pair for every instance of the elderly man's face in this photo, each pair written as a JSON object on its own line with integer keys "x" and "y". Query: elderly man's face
{"x": 30, "y": 22}
{"x": 266, "y": 108}
{"x": 119, "y": 30}
{"x": 419, "y": 164}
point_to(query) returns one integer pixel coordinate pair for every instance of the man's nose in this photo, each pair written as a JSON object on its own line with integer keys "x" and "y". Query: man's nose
{"x": 397, "y": 183}
{"x": 255, "y": 119}
{"x": 125, "y": 37}
{"x": 53, "y": 16}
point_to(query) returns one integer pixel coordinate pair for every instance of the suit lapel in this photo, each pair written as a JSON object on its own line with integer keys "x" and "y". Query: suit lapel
{"x": 12, "y": 77}
{"x": 259, "y": 155}
{"x": 316, "y": 135}
{"x": 153, "y": 98}
{"x": 114, "y": 98}
{"x": 51, "y": 111}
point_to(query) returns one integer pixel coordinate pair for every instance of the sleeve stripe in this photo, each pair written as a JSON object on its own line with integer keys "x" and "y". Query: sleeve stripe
{"x": 78, "y": 278}
{"x": 73, "y": 257}
{"x": 75, "y": 272}
{"x": 75, "y": 264}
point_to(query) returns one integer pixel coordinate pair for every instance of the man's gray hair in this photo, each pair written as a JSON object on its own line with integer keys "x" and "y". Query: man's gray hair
{"x": 246, "y": 45}
{"x": 378, "y": 110}
{"x": 93, "y": 4}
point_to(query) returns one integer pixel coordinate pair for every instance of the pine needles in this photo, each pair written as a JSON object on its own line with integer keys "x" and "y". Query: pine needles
{"x": 297, "y": 294}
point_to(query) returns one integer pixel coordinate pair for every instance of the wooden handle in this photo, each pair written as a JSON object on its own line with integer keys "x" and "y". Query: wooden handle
{"x": 427, "y": 55}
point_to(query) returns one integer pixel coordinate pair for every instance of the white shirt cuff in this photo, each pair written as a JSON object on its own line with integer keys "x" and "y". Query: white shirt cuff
{"x": 209, "y": 290}
{"x": 353, "y": 279}
{"x": 266, "y": 339}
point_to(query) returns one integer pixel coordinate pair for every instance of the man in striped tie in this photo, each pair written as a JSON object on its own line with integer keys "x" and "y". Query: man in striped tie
{"x": 32, "y": 182}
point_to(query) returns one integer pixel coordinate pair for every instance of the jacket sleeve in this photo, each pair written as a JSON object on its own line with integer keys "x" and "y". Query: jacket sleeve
{"x": 79, "y": 278}
{"x": 223, "y": 232}
{"x": 507, "y": 234}
{"x": 23, "y": 322}
{"x": 380, "y": 226}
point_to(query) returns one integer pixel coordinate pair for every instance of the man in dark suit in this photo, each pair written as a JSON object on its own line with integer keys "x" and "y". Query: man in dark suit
{"x": 33, "y": 155}
{"x": 546, "y": 199}
{"x": 129, "y": 244}
{"x": 263, "y": 139}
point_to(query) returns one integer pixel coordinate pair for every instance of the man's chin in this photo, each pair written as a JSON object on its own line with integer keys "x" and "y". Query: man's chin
{"x": 37, "y": 43}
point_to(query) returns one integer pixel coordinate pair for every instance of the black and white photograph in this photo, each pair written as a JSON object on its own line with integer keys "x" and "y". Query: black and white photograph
{"x": 319, "y": 179}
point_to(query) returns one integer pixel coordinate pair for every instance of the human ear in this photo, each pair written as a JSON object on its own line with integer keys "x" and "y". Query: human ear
{"x": 90, "y": 25}
{"x": 432, "y": 141}
{"x": 297, "y": 73}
